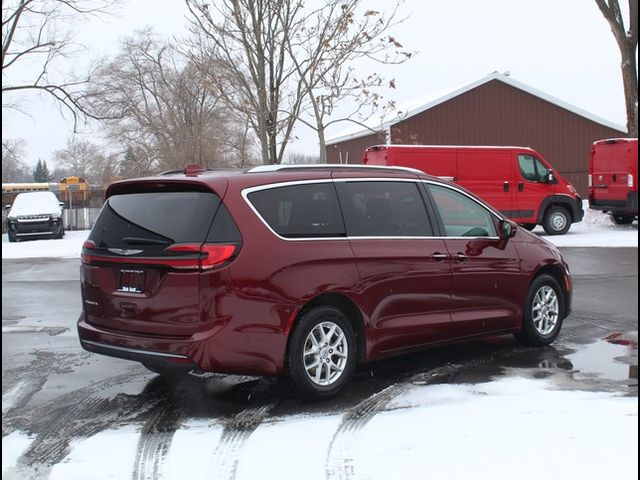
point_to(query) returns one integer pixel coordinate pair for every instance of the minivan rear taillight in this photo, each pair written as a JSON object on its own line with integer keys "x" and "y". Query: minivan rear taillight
{"x": 590, "y": 180}
{"x": 211, "y": 254}
{"x": 204, "y": 256}
{"x": 629, "y": 180}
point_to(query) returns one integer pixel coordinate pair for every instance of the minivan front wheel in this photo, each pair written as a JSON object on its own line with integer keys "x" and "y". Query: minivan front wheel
{"x": 322, "y": 353}
{"x": 556, "y": 221}
{"x": 542, "y": 315}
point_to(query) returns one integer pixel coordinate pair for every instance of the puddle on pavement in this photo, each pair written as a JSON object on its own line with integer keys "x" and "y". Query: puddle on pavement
{"x": 603, "y": 359}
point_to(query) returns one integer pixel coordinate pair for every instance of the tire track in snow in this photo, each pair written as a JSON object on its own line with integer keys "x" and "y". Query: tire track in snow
{"x": 234, "y": 436}
{"x": 344, "y": 445}
{"x": 19, "y": 385}
{"x": 75, "y": 415}
{"x": 155, "y": 440}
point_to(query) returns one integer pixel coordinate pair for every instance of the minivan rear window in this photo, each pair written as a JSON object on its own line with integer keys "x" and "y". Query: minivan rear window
{"x": 151, "y": 221}
{"x": 301, "y": 211}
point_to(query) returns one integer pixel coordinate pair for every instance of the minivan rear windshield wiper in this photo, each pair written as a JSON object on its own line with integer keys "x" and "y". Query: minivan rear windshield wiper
{"x": 144, "y": 241}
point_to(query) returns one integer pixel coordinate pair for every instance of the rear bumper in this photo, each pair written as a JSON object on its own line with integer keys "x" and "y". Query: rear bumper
{"x": 178, "y": 362}
{"x": 628, "y": 206}
{"x": 207, "y": 351}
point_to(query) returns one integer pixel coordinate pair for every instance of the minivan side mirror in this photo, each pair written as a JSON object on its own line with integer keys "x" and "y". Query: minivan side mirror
{"x": 506, "y": 229}
{"x": 61, "y": 204}
{"x": 7, "y": 207}
{"x": 550, "y": 178}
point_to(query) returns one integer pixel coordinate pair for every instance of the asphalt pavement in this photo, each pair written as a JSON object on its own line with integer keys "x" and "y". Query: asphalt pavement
{"x": 57, "y": 392}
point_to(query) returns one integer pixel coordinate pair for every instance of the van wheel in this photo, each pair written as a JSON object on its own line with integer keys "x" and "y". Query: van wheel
{"x": 542, "y": 315}
{"x": 322, "y": 353}
{"x": 556, "y": 221}
{"x": 529, "y": 226}
{"x": 622, "y": 219}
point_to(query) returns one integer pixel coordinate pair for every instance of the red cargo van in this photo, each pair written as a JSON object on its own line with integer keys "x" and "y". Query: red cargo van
{"x": 613, "y": 178}
{"x": 515, "y": 180}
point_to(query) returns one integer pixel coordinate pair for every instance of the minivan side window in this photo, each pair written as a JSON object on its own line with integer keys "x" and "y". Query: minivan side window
{"x": 300, "y": 211}
{"x": 383, "y": 209}
{"x": 533, "y": 169}
{"x": 461, "y": 215}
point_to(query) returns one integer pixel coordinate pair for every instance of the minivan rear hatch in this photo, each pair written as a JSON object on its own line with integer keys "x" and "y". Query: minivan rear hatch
{"x": 142, "y": 262}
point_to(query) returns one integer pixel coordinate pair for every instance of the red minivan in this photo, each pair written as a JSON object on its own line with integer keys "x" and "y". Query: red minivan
{"x": 517, "y": 181}
{"x": 308, "y": 272}
{"x": 613, "y": 178}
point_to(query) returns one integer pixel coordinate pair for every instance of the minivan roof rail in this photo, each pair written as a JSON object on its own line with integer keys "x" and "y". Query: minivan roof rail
{"x": 275, "y": 168}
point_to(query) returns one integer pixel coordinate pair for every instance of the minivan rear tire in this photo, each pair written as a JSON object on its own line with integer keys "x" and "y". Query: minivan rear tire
{"x": 535, "y": 331}
{"x": 339, "y": 350}
{"x": 556, "y": 221}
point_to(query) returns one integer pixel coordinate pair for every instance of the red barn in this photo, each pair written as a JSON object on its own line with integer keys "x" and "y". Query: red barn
{"x": 496, "y": 110}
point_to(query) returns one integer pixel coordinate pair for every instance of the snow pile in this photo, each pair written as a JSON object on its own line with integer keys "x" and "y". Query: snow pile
{"x": 595, "y": 230}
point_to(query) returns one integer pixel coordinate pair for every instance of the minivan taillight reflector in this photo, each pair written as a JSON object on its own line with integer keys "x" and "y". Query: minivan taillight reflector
{"x": 590, "y": 180}
{"x": 629, "y": 180}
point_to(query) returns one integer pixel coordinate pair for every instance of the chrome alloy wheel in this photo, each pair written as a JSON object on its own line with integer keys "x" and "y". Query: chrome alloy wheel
{"x": 325, "y": 353}
{"x": 544, "y": 310}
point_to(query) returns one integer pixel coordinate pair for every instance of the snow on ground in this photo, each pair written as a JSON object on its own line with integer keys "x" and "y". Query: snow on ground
{"x": 67, "y": 247}
{"x": 510, "y": 427}
{"x": 595, "y": 230}
{"x": 12, "y": 447}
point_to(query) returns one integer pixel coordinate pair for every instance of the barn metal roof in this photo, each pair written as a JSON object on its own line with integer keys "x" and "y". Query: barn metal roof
{"x": 416, "y": 106}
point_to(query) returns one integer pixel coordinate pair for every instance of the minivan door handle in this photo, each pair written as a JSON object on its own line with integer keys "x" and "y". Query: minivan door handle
{"x": 520, "y": 186}
{"x": 461, "y": 257}
{"x": 438, "y": 257}
{"x": 505, "y": 187}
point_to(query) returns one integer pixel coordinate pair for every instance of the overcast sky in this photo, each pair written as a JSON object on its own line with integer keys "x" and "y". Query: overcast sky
{"x": 563, "y": 48}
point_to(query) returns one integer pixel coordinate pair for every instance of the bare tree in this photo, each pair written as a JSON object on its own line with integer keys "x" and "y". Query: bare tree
{"x": 14, "y": 168}
{"x": 299, "y": 158}
{"x": 81, "y": 158}
{"x": 36, "y": 36}
{"x": 241, "y": 45}
{"x": 627, "y": 41}
{"x": 161, "y": 109}
{"x": 335, "y": 36}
